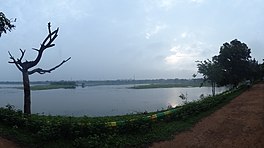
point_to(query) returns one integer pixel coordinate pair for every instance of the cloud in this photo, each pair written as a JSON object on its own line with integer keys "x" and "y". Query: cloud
{"x": 197, "y": 1}
{"x": 66, "y": 9}
{"x": 154, "y": 30}
{"x": 188, "y": 35}
{"x": 175, "y": 58}
{"x": 184, "y": 35}
{"x": 181, "y": 54}
{"x": 166, "y": 4}
{"x": 177, "y": 32}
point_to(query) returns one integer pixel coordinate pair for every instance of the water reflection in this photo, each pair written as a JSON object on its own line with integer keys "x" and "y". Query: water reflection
{"x": 101, "y": 100}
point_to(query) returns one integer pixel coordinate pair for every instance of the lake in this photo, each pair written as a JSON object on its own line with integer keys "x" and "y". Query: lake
{"x": 107, "y": 100}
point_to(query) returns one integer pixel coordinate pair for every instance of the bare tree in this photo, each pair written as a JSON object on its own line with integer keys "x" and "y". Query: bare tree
{"x": 25, "y": 66}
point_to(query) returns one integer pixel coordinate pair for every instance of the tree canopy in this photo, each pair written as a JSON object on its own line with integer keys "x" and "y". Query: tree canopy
{"x": 232, "y": 66}
{"x": 262, "y": 69}
{"x": 234, "y": 58}
{"x": 5, "y": 24}
{"x": 211, "y": 72}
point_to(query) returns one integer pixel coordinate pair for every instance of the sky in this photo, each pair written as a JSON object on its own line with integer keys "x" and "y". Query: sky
{"x": 123, "y": 39}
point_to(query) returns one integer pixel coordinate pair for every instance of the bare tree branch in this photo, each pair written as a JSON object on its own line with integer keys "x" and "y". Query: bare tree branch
{"x": 15, "y": 62}
{"x": 42, "y": 71}
{"x": 47, "y": 43}
{"x": 49, "y": 26}
{"x": 52, "y": 36}
{"x": 12, "y": 58}
{"x": 35, "y": 49}
{"x": 22, "y": 54}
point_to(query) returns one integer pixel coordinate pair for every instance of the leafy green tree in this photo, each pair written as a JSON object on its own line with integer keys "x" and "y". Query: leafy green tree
{"x": 262, "y": 70}
{"x": 211, "y": 72}
{"x": 254, "y": 70}
{"x": 234, "y": 60}
{"x": 232, "y": 66}
{"x": 5, "y": 24}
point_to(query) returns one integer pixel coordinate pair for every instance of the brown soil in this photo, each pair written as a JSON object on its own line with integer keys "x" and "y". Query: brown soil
{"x": 4, "y": 143}
{"x": 238, "y": 124}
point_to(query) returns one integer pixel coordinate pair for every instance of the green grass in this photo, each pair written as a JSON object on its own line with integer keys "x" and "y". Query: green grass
{"x": 60, "y": 131}
{"x": 51, "y": 86}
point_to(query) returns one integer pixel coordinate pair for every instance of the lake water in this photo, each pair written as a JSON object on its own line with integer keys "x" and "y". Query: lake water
{"x": 100, "y": 100}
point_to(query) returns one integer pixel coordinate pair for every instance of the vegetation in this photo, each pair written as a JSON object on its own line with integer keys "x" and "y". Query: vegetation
{"x": 184, "y": 97}
{"x": 25, "y": 67}
{"x": 136, "y": 82}
{"x": 118, "y": 131}
{"x": 232, "y": 66}
{"x": 211, "y": 72}
{"x": 49, "y": 85}
{"x": 187, "y": 83}
{"x": 5, "y": 24}
{"x": 55, "y": 85}
{"x": 262, "y": 70}
{"x": 148, "y": 86}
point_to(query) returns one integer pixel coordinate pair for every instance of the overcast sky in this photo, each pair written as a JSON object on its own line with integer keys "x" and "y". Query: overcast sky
{"x": 117, "y": 39}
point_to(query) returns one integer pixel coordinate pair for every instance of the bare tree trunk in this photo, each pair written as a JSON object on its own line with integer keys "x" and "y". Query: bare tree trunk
{"x": 27, "y": 102}
{"x": 213, "y": 88}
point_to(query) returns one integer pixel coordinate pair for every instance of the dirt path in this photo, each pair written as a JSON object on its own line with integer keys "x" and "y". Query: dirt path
{"x": 238, "y": 124}
{"x": 4, "y": 143}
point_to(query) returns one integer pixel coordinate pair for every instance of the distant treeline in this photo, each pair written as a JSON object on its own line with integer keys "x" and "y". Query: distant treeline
{"x": 73, "y": 83}
{"x": 34, "y": 82}
{"x": 115, "y": 82}
{"x": 62, "y": 82}
{"x": 147, "y": 81}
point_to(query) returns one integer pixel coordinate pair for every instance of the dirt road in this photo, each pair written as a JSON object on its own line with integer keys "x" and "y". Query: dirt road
{"x": 4, "y": 143}
{"x": 238, "y": 124}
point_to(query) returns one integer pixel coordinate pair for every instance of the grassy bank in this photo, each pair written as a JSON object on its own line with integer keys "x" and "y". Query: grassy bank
{"x": 51, "y": 86}
{"x": 118, "y": 131}
{"x": 54, "y": 85}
